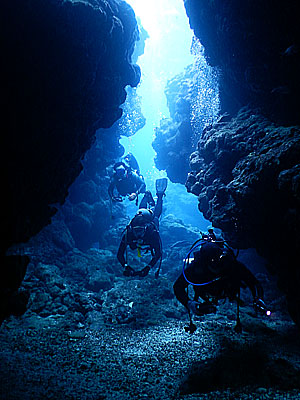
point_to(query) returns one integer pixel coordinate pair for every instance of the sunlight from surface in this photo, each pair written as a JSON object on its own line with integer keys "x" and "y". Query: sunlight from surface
{"x": 167, "y": 53}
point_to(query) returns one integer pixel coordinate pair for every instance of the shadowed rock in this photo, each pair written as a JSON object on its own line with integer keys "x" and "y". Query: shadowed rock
{"x": 64, "y": 71}
{"x": 256, "y": 46}
{"x": 245, "y": 173}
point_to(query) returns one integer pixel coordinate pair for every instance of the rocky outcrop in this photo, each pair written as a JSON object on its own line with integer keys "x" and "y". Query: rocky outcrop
{"x": 173, "y": 138}
{"x": 246, "y": 175}
{"x": 192, "y": 98}
{"x": 256, "y": 46}
{"x": 245, "y": 171}
{"x": 66, "y": 67}
{"x": 88, "y": 286}
{"x": 64, "y": 71}
{"x": 87, "y": 211}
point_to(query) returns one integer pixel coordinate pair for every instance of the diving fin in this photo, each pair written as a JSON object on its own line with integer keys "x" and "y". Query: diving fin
{"x": 161, "y": 185}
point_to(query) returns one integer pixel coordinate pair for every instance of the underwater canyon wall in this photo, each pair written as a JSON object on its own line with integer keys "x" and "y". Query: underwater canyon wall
{"x": 65, "y": 68}
{"x": 256, "y": 47}
{"x": 244, "y": 165}
{"x": 88, "y": 211}
{"x": 173, "y": 138}
{"x": 245, "y": 170}
{"x": 246, "y": 175}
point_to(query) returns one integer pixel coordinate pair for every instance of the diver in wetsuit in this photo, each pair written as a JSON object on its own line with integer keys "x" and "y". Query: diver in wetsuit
{"x": 142, "y": 233}
{"x": 127, "y": 182}
{"x": 215, "y": 274}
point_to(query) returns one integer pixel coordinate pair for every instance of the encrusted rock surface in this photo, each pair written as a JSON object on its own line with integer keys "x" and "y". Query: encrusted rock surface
{"x": 246, "y": 176}
{"x": 173, "y": 139}
{"x": 193, "y": 103}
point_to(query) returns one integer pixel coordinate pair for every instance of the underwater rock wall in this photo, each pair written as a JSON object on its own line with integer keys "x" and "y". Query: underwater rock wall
{"x": 64, "y": 70}
{"x": 193, "y": 103}
{"x": 256, "y": 46}
{"x": 245, "y": 171}
{"x": 67, "y": 65}
{"x": 87, "y": 211}
{"x": 246, "y": 175}
{"x": 173, "y": 138}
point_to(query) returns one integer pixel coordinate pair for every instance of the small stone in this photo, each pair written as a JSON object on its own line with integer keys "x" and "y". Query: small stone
{"x": 261, "y": 390}
{"x": 76, "y": 334}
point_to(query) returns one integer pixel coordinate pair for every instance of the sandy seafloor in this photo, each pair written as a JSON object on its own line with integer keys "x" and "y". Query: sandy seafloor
{"x": 41, "y": 358}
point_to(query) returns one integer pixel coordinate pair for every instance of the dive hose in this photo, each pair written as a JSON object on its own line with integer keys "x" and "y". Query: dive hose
{"x": 198, "y": 243}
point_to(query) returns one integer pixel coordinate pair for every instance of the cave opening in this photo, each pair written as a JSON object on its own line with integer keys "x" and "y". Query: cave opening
{"x": 172, "y": 58}
{"x": 73, "y": 322}
{"x": 177, "y": 97}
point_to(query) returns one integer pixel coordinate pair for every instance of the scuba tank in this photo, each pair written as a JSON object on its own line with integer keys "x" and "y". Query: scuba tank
{"x": 207, "y": 307}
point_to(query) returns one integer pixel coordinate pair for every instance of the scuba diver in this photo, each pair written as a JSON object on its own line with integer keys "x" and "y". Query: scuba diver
{"x": 215, "y": 274}
{"x": 142, "y": 233}
{"x": 131, "y": 162}
{"x": 127, "y": 180}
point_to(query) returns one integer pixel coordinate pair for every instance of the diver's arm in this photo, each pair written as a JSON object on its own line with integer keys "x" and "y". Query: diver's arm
{"x": 181, "y": 285}
{"x": 111, "y": 188}
{"x": 139, "y": 183}
{"x": 156, "y": 245}
{"x": 249, "y": 279}
{"x": 180, "y": 291}
{"x": 121, "y": 251}
{"x": 142, "y": 187}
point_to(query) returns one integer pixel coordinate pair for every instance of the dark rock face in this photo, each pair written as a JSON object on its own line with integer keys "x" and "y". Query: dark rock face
{"x": 66, "y": 66}
{"x": 257, "y": 48}
{"x": 87, "y": 211}
{"x": 64, "y": 70}
{"x": 246, "y": 176}
{"x": 246, "y": 169}
{"x": 243, "y": 166}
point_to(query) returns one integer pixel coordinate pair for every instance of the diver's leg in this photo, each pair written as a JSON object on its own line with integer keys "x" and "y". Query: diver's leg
{"x": 158, "y": 205}
{"x": 144, "y": 202}
{"x": 147, "y": 200}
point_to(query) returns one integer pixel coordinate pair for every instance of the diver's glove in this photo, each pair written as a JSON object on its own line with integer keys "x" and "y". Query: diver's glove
{"x": 144, "y": 272}
{"x": 117, "y": 199}
{"x": 128, "y": 271}
{"x": 200, "y": 309}
{"x": 192, "y": 306}
{"x": 132, "y": 196}
{"x": 260, "y": 307}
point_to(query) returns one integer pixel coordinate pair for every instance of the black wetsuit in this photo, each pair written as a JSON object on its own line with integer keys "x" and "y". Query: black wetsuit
{"x": 151, "y": 238}
{"x": 130, "y": 183}
{"x": 233, "y": 274}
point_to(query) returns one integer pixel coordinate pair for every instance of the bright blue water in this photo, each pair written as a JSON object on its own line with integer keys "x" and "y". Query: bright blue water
{"x": 167, "y": 53}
